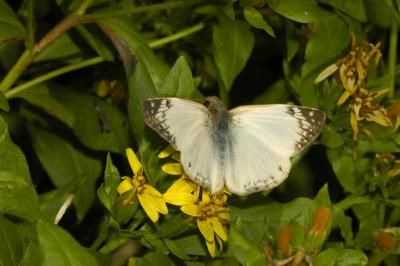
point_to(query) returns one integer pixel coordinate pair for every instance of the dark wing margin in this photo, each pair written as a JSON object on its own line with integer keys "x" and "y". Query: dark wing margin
{"x": 155, "y": 115}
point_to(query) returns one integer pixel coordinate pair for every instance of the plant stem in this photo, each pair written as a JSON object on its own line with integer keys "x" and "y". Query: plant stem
{"x": 352, "y": 200}
{"x": 392, "y": 57}
{"x": 23, "y": 62}
{"x": 160, "y": 42}
{"x": 29, "y": 56}
{"x": 52, "y": 74}
{"x": 142, "y": 9}
{"x": 82, "y": 7}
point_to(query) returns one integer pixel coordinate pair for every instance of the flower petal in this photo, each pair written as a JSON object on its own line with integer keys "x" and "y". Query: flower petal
{"x": 172, "y": 168}
{"x": 211, "y": 248}
{"x": 179, "y": 198}
{"x": 134, "y": 162}
{"x": 218, "y": 228}
{"x": 124, "y": 186}
{"x": 192, "y": 210}
{"x": 150, "y": 209}
{"x": 206, "y": 229}
{"x": 326, "y": 73}
{"x": 168, "y": 151}
{"x": 182, "y": 185}
{"x": 152, "y": 191}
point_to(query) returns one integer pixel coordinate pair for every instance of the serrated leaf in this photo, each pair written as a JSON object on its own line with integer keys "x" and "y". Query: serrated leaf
{"x": 10, "y": 26}
{"x": 58, "y": 247}
{"x": 254, "y": 17}
{"x": 17, "y": 193}
{"x": 233, "y": 44}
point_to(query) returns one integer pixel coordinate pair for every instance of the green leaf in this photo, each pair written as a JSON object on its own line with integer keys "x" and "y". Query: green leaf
{"x": 233, "y": 44}
{"x": 10, "y": 243}
{"x": 303, "y": 11}
{"x": 51, "y": 201}
{"x": 108, "y": 191}
{"x": 63, "y": 48}
{"x": 58, "y": 247}
{"x": 10, "y": 26}
{"x": 17, "y": 193}
{"x": 276, "y": 93}
{"x": 192, "y": 245}
{"x": 340, "y": 257}
{"x": 349, "y": 172}
{"x": 42, "y": 97}
{"x": 67, "y": 165}
{"x": 243, "y": 249}
{"x": 4, "y": 103}
{"x": 96, "y": 41}
{"x": 354, "y": 8}
{"x": 254, "y": 17}
{"x": 179, "y": 81}
{"x": 151, "y": 258}
{"x": 381, "y": 13}
{"x": 329, "y": 40}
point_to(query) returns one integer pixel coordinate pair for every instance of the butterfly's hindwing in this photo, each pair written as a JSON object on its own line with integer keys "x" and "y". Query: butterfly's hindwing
{"x": 265, "y": 138}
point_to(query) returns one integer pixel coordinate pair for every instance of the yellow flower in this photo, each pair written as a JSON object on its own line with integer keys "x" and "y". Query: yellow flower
{"x": 151, "y": 200}
{"x": 352, "y": 68}
{"x": 208, "y": 211}
{"x": 363, "y": 108}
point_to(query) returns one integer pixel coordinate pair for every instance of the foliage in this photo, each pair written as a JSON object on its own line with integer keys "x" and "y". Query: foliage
{"x": 71, "y": 93}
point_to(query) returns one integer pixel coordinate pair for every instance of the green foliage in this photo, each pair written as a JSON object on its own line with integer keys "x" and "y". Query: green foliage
{"x": 71, "y": 94}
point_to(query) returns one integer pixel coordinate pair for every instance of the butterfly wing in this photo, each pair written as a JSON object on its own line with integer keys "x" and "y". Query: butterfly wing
{"x": 184, "y": 124}
{"x": 265, "y": 138}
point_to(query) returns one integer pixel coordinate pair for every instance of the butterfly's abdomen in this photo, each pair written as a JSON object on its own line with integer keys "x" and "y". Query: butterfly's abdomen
{"x": 221, "y": 136}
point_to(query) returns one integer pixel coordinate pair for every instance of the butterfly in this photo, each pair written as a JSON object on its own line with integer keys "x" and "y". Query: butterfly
{"x": 246, "y": 149}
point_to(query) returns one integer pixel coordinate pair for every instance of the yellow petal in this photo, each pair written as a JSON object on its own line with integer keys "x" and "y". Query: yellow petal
{"x": 206, "y": 229}
{"x": 218, "y": 228}
{"x": 205, "y": 196}
{"x": 152, "y": 191}
{"x": 149, "y": 208}
{"x": 220, "y": 243}
{"x": 124, "y": 186}
{"x": 326, "y": 73}
{"x": 134, "y": 162}
{"x": 211, "y": 248}
{"x": 179, "y": 199}
{"x": 172, "y": 168}
{"x": 182, "y": 185}
{"x": 192, "y": 210}
{"x": 343, "y": 98}
{"x": 168, "y": 151}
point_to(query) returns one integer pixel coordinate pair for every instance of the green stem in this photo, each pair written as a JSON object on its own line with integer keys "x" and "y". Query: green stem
{"x": 23, "y": 62}
{"x": 52, "y": 74}
{"x": 179, "y": 35}
{"x": 82, "y": 7}
{"x": 141, "y": 9}
{"x": 392, "y": 57}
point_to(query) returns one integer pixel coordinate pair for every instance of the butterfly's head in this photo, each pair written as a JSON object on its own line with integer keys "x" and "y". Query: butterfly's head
{"x": 213, "y": 104}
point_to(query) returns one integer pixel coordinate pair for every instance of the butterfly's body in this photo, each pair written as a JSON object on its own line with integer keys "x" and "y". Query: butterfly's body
{"x": 246, "y": 149}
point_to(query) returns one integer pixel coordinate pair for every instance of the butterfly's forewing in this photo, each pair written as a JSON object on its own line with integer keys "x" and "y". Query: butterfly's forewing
{"x": 265, "y": 138}
{"x": 184, "y": 124}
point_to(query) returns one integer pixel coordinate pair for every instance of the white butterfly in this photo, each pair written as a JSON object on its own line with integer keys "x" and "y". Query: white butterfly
{"x": 246, "y": 149}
